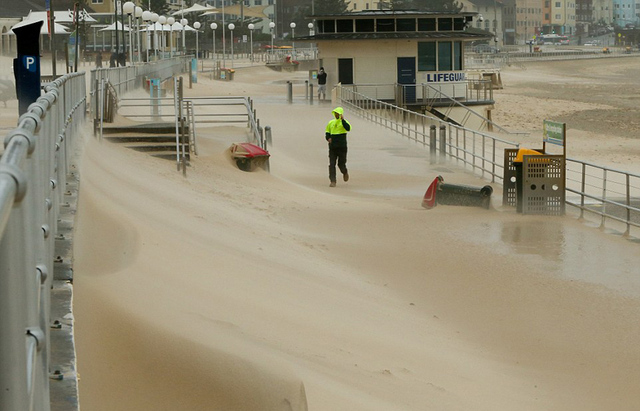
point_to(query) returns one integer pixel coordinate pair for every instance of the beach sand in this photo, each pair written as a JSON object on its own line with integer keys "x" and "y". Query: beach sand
{"x": 228, "y": 290}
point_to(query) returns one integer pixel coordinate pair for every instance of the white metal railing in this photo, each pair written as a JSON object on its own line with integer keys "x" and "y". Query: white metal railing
{"x": 612, "y": 195}
{"x": 481, "y": 151}
{"x": 33, "y": 170}
{"x": 603, "y": 192}
{"x": 125, "y": 79}
{"x": 547, "y": 53}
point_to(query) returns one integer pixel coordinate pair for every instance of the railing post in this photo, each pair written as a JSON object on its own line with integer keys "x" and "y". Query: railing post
{"x": 432, "y": 143}
{"x": 628, "y": 184}
{"x": 604, "y": 196}
{"x": 443, "y": 141}
{"x": 267, "y": 136}
{"x": 289, "y": 92}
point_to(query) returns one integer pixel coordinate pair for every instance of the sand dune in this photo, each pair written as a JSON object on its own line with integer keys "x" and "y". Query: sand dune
{"x": 229, "y": 290}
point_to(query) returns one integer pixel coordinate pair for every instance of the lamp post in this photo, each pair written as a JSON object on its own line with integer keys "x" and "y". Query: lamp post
{"x": 162, "y": 20}
{"x": 293, "y": 41}
{"x": 224, "y": 40}
{"x": 129, "y": 8}
{"x": 146, "y": 17}
{"x": 196, "y": 26}
{"x": 251, "y": 27}
{"x": 138, "y": 14}
{"x": 272, "y": 25}
{"x": 184, "y": 23}
{"x": 231, "y": 27}
{"x": 170, "y": 21}
{"x": 214, "y": 26}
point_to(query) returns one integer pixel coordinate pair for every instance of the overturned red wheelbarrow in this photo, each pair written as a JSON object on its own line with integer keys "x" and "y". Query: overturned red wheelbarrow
{"x": 454, "y": 194}
{"x": 248, "y": 156}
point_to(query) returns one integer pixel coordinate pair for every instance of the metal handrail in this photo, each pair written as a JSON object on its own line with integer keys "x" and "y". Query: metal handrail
{"x": 33, "y": 170}
{"x": 483, "y": 153}
{"x": 465, "y": 145}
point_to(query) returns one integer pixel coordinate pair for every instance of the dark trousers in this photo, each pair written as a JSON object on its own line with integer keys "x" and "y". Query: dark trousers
{"x": 339, "y": 155}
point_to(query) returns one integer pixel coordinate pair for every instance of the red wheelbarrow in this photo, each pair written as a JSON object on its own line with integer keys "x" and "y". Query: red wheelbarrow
{"x": 248, "y": 156}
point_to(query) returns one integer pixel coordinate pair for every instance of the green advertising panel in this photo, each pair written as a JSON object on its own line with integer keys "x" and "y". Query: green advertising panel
{"x": 553, "y": 132}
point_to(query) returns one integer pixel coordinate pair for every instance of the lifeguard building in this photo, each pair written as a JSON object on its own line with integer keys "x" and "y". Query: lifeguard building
{"x": 413, "y": 58}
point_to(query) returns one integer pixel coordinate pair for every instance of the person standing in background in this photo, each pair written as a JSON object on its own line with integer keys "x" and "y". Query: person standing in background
{"x": 322, "y": 83}
{"x": 336, "y": 136}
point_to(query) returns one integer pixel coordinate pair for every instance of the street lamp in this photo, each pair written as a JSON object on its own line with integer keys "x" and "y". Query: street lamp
{"x": 184, "y": 23}
{"x": 293, "y": 41}
{"x": 170, "y": 21}
{"x": 272, "y": 25}
{"x": 231, "y": 27}
{"x": 214, "y": 26}
{"x": 138, "y": 14}
{"x": 196, "y": 26}
{"x": 129, "y": 8}
{"x": 251, "y": 27}
{"x": 311, "y": 32}
{"x": 146, "y": 17}
{"x": 162, "y": 20}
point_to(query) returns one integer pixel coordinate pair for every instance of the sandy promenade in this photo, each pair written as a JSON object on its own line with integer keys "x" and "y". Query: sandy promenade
{"x": 254, "y": 291}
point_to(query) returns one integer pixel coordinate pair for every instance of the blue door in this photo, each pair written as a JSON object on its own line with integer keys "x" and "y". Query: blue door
{"x": 407, "y": 78}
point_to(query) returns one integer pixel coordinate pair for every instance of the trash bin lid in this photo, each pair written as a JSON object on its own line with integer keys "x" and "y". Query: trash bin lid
{"x": 525, "y": 152}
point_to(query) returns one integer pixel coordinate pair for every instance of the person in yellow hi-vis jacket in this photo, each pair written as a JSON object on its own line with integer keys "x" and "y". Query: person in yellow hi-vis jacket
{"x": 336, "y": 136}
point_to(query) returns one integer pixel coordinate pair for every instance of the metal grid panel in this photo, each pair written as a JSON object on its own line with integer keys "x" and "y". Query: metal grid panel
{"x": 509, "y": 178}
{"x": 543, "y": 188}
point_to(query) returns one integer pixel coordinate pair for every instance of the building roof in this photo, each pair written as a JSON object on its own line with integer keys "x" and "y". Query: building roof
{"x": 391, "y": 13}
{"x": 465, "y": 35}
{"x": 18, "y": 9}
{"x": 487, "y": 3}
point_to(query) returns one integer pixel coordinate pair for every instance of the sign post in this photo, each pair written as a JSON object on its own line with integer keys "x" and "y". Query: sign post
{"x": 554, "y": 133}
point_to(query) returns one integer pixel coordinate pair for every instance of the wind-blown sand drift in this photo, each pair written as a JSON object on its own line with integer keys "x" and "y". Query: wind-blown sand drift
{"x": 230, "y": 290}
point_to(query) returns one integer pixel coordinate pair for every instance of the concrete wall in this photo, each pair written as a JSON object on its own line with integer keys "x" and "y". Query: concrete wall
{"x": 374, "y": 61}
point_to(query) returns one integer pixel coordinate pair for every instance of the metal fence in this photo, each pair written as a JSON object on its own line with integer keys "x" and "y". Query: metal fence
{"x": 613, "y": 196}
{"x": 547, "y": 53}
{"x": 480, "y": 151}
{"x": 125, "y": 79}
{"x": 33, "y": 171}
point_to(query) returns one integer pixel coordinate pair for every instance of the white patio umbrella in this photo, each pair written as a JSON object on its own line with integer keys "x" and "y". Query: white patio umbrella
{"x": 58, "y": 28}
{"x": 195, "y": 8}
{"x": 112, "y": 27}
{"x": 210, "y": 12}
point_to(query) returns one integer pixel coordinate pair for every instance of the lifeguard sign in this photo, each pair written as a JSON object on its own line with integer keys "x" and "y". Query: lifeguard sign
{"x": 534, "y": 181}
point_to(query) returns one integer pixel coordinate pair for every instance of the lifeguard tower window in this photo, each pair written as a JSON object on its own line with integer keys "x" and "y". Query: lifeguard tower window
{"x": 458, "y": 24}
{"x": 385, "y": 25}
{"x": 365, "y": 26}
{"x": 444, "y": 56}
{"x": 426, "y": 24}
{"x": 445, "y": 24}
{"x": 427, "y": 56}
{"x": 344, "y": 26}
{"x": 327, "y": 26}
{"x": 457, "y": 55}
{"x": 406, "y": 25}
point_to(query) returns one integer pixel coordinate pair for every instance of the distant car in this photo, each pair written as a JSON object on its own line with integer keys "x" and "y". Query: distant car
{"x": 486, "y": 49}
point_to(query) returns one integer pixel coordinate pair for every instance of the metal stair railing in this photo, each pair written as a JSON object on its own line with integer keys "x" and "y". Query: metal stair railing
{"x": 439, "y": 95}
